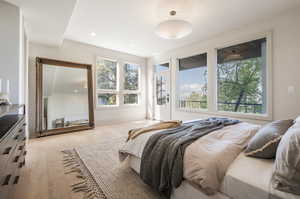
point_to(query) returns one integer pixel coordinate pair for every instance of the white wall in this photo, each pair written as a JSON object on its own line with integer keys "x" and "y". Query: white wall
{"x": 10, "y": 46}
{"x": 285, "y": 57}
{"x": 82, "y": 53}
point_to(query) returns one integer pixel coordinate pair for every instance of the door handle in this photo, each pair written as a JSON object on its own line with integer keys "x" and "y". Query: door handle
{"x": 168, "y": 98}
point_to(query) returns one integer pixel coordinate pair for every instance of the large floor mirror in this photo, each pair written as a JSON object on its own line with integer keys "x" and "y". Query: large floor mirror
{"x": 64, "y": 97}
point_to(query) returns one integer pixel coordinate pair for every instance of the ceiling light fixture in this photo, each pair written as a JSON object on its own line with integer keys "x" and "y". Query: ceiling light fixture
{"x": 93, "y": 34}
{"x": 173, "y": 28}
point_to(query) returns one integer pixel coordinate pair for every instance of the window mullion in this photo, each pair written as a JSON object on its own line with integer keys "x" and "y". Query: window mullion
{"x": 120, "y": 77}
{"x": 212, "y": 80}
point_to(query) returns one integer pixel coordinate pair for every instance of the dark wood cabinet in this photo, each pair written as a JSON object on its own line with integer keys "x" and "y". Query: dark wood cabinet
{"x": 12, "y": 149}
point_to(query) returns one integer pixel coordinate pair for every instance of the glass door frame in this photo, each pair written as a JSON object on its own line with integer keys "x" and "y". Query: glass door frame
{"x": 155, "y": 74}
{"x": 39, "y": 96}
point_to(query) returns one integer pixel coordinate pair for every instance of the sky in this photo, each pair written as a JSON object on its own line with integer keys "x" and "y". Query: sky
{"x": 191, "y": 80}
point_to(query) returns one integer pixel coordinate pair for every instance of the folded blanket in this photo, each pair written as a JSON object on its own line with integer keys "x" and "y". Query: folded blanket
{"x": 162, "y": 158}
{"x": 133, "y": 133}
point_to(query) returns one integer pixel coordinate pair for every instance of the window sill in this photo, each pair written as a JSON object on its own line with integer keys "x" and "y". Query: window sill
{"x": 118, "y": 107}
{"x": 261, "y": 117}
{"x": 131, "y": 105}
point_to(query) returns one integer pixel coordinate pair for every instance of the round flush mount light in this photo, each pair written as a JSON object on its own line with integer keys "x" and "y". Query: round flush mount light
{"x": 93, "y": 34}
{"x": 174, "y": 28}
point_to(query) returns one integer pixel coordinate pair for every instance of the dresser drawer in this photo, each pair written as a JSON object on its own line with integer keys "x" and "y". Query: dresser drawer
{"x": 7, "y": 181}
{"x": 11, "y": 145}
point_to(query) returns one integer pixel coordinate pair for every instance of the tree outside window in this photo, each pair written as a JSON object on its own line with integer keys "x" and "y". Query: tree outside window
{"x": 241, "y": 78}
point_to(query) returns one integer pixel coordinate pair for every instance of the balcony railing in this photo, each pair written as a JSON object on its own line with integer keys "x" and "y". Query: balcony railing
{"x": 193, "y": 105}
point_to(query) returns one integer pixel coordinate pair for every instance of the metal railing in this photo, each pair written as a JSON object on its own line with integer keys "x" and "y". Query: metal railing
{"x": 223, "y": 106}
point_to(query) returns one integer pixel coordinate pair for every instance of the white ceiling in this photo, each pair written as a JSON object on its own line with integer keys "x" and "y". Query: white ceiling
{"x": 128, "y": 25}
{"x": 46, "y": 20}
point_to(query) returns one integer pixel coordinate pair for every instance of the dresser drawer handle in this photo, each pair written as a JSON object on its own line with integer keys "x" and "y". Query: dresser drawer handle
{"x": 16, "y": 179}
{"x": 6, "y": 180}
{"x": 16, "y": 137}
{"x": 7, "y": 151}
{"x": 21, "y": 147}
{"x": 16, "y": 159}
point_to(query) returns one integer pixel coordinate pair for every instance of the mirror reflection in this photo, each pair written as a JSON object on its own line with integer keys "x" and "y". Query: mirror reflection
{"x": 65, "y": 97}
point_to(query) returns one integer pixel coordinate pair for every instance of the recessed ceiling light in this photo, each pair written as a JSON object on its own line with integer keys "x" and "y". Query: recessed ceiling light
{"x": 93, "y": 34}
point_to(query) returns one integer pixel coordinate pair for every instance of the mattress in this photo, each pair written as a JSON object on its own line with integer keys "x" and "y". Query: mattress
{"x": 250, "y": 178}
{"x": 186, "y": 190}
{"x": 246, "y": 178}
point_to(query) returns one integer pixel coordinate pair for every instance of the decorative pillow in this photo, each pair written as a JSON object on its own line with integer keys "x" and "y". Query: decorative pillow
{"x": 264, "y": 144}
{"x": 286, "y": 174}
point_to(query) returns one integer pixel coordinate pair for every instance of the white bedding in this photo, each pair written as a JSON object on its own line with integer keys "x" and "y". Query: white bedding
{"x": 186, "y": 190}
{"x": 216, "y": 151}
{"x": 247, "y": 178}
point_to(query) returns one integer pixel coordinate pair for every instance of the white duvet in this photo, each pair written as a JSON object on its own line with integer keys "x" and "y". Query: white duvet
{"x": 208, "y": 158}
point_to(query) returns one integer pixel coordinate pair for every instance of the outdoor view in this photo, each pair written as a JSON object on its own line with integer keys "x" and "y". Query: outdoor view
{"x": 192, "y": 79}
{"x": 107, "y": 99}
{"x": 107, "y": 83}
{"x": 241, "y": 70}
{"x": 106, "y": 72}
{"x": 161, "y": 83}
{"x": 130, "y": 99}
{"x": 131, "y": 81}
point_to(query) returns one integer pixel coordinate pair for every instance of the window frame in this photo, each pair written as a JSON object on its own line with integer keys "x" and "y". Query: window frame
{"x": 119, "y": 91}
{"x": 177, "y": 82}
{"x": 124, "y": 91}
{"x": 108, "y": 91}
{"x": 169, "y": 70}
{"x": 212, "y": 82}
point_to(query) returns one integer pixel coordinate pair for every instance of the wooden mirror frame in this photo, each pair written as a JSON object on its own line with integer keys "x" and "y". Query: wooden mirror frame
{"x": 39, "y": 96}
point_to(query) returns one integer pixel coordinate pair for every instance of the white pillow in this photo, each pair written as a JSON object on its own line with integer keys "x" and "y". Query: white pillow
{"x": 286, "y": 174}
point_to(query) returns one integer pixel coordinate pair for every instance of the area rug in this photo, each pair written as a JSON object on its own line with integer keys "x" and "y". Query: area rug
{"x": 102, "y": 176}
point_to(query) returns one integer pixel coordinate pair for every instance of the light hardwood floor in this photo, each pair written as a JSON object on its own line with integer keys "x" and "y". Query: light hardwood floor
{"x": 43, "y": 176}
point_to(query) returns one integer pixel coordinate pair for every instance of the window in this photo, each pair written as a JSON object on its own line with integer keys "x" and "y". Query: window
{"x": 131, "y": 80}
{"x": 192, "y": 82}
{"x": 161, "y": 67}
{"x": 131, "y": 99}
{"x": 113, "y": 84}
{"x": 107, "y": 82}
{"x": 241, "y": 77}
{"x": 161, "y": 90}
{"x": 107, "y": 99}
{"x": 106, "y": 74}
{"x": 131, "y": 83}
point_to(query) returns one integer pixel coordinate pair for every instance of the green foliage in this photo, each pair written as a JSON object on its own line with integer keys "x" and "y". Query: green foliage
{"x": 106, "y": 74}
{"x": 239, "y": 84}
{"x": 196, "y": 100}
{"x": 107, "y": 99}
{"x": 130, "y": 99}
{"x": 131, "y": 77}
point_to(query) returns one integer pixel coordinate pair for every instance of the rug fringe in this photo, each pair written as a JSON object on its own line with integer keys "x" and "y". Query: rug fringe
{"x": 72, "y": 165}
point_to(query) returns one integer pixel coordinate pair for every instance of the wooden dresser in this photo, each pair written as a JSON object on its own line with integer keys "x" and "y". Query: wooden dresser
{"x": 12, "y": 148}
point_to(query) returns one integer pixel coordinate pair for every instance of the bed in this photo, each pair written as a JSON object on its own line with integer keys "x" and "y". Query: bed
{"x": 245, "y": 178}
